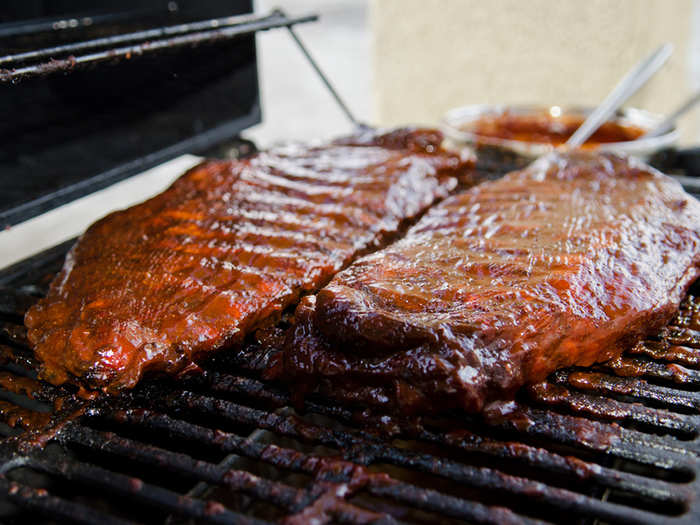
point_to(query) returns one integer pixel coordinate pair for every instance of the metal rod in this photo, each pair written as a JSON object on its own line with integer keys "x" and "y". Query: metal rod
{"x": 38, "y": 500}
{"x": 301, "y": 462}
{"x": 365, "y": 452}
{"x": 150, "y": 34}
{"x": 526, "y": 454}
{"x": 277, "y": 493}
{"x": 148, "y": 47}
{"x": 344, "y": 108}
{"x": 118, "y": 484}
{"x": 629, "y": 85}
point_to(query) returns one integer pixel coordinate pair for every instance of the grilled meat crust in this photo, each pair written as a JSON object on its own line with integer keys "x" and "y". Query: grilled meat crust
{"x": 225, "y": 249}
{"x": 568, "y": 262}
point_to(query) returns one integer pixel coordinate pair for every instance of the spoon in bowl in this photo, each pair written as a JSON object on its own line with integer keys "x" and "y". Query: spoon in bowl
{"x": 629, "y": 85}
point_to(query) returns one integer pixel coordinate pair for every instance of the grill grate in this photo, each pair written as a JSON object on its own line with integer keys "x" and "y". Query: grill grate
{"x": 616, "y": 443}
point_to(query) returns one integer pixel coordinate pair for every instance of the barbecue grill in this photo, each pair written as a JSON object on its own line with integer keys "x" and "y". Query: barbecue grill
{"x": 613, "y": 443}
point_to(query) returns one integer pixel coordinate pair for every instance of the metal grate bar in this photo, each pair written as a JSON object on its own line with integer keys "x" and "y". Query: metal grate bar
{"x": 593, "y": 436}
{"x": 446, "y": 505}
{"x": 492, "y": 480}
{"x": 219, "y": 382}
{"x": 39, "y": 501}
{"x": 570, "y": 467}
{"x": 14, "y": 303}
{"x": 534, "y": 457}
{"x": 680, "y": 335}
{"x": 191, "y": 402}
{"x": 204, "y": 511}
{"x": 369, "y": 452}
{"x": 638, "y": 367}
{"x": 282, "y": 495}
{"x": 228, "y": 384}
{"x": 638, "y": 388}
{"x": 662, "y": 351}
{"x": 296, "y": 461}
{"x": 522, "y": 421}
{"x": 610, "y": 409}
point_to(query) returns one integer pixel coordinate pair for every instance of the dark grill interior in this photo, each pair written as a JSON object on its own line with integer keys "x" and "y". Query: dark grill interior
{"x": 616, "y": 443}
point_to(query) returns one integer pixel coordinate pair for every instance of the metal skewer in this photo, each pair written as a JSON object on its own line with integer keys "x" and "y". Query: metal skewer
{"x": 629, "y": 85}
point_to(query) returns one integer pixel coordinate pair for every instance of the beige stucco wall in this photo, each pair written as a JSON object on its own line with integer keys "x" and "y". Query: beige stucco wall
{"x": 431, "y": 55}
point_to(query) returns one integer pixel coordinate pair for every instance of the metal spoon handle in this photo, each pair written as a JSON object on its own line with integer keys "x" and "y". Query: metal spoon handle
{"x": 666, "y": 124}
{"x": 629, "y": 85}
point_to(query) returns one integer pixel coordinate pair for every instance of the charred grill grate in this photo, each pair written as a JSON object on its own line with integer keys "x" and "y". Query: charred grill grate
{"x": 617, "y": 443}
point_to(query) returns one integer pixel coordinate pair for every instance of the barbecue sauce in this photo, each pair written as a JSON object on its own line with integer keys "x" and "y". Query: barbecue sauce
{"x": 569, "y": 262}
{"x": 230, "y": 245}
{"x": 544, "y": 128}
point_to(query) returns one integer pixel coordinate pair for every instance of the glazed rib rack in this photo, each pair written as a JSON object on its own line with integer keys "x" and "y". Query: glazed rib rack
{"x": 617, "y": 443}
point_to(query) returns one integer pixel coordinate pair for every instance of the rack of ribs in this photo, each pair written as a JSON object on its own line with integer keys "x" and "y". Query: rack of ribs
{"x": 568, "y": 262}
{"x": 225, "y": 250}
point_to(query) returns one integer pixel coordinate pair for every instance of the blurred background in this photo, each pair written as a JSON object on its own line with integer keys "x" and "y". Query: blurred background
{"x": 409, "y": 61}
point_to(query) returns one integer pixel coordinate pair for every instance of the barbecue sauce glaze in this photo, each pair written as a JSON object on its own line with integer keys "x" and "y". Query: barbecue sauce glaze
{"x": 568, "y": 262}
{"x": 225, "y": 250}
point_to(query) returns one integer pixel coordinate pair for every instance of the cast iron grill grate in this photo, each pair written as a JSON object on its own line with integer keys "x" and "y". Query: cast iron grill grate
{"x": 616, "y": 443}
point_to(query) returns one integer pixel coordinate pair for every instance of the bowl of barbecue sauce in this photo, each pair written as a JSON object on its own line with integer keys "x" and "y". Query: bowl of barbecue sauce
{"x": 531, "y": 131}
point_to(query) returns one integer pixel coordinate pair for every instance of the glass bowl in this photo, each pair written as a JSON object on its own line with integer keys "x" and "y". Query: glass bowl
{"x": 457, "y": 122}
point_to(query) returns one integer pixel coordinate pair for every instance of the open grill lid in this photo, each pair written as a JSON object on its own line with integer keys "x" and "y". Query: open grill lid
{"x": 91, "y": 95}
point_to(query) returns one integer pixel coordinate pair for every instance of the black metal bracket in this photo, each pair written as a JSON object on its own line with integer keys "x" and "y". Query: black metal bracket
{"x": 334, "y": 93}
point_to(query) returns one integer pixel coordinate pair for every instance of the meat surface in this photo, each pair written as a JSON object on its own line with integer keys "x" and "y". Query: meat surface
{"x": 568, "y": 262}
{"x": 225, "y": 249}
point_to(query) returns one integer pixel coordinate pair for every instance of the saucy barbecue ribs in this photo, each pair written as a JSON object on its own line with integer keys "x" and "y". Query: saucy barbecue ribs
{"x": 566, "y": 262}
{"x": 225, "y": 249}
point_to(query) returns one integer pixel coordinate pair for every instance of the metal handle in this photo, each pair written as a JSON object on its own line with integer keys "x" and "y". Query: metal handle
{"x": 625, "y": 89}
